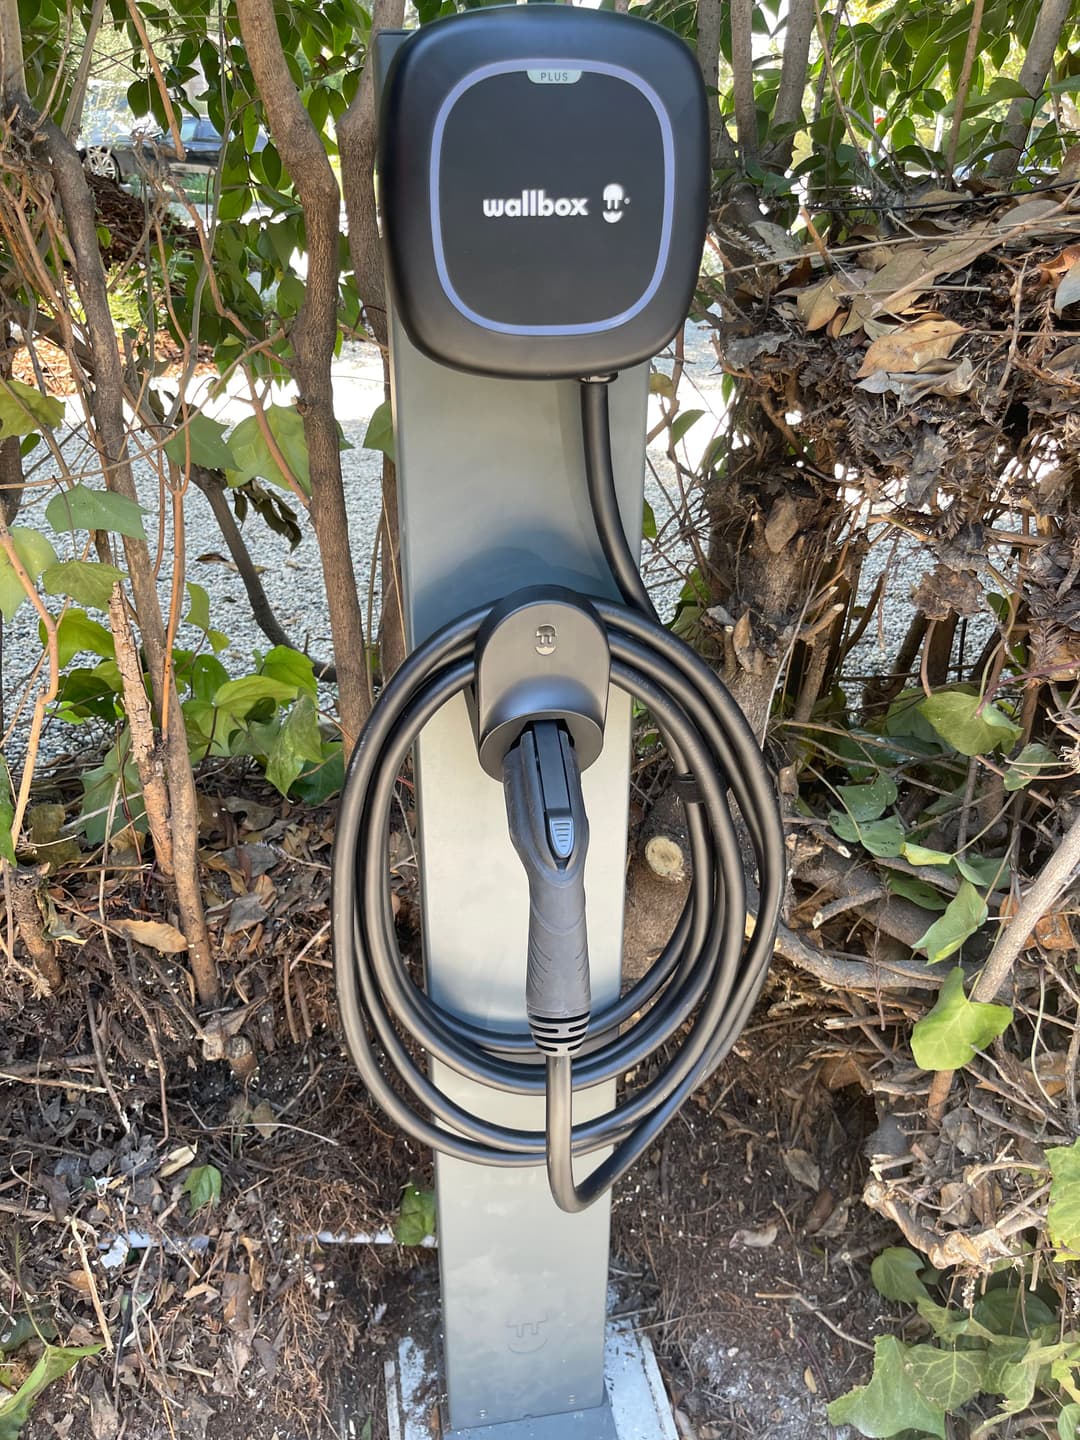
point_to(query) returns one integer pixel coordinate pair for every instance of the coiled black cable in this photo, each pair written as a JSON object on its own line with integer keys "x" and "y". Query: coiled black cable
{"x": 708, "y": 975}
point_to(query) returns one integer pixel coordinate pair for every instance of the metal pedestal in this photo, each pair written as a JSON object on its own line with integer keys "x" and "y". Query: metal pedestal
{"x": 492, "y": 497}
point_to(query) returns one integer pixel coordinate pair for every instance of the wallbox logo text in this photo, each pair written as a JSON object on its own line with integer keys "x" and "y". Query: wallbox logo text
{"x": 536, "y": 202}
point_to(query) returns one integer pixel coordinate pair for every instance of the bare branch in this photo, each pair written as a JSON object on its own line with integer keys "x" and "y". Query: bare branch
{"x": 964, "y": 84}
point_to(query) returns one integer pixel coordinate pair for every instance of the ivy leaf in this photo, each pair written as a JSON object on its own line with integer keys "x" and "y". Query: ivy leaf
{"x": 87, "y": 581}
{"x": 1013, "y": 1310}
{"x": 895, "y": 1274}
{"x": 205, "y": 442}
{"x": 920, "y": 855}
{"x": 915, "y": 890}
{"x": 648, "y": 521}
{"x": 1027, "y": 765}
{"x": 1063, "y": 1212}
{"x": 949, "y": 1035}
{"x": 1012, "y": 1370}
{"x": 968, "y": 724}
{"x": 380, "y": 431}
{"x": 880, "y": 837}
{"x": 298, "y": 742}
{"x": 416, "y": 1220}
{"x": 949, "y": 1378}
{"x": 203, "y": 1187}
{"x": 251, "y": 457}
{"x": 23, "y": 409}
{"x": 983, "y": 870}
{"x": 82, "y": 508}
{"x": 35, "y": 554}
{"x": 891, "y": 1402}
{"x": 964, "y": 914}
{"x": 868, "y": 802}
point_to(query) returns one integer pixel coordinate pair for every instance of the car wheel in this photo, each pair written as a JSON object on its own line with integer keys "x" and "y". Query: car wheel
{"x": 99, "y": 160}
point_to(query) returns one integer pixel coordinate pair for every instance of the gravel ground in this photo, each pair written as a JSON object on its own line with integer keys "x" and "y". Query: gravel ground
{"x": 293, "y": 579}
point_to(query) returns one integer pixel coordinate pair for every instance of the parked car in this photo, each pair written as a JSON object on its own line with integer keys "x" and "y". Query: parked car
{"x": 202, "y": 140}
{"x": 106, "y": 141}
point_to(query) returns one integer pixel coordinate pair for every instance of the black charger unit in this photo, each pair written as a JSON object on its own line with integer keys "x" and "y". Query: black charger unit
{"x": 543, "y": 186}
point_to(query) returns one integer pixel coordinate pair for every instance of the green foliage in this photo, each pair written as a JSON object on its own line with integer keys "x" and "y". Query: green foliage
{"x": 23, "y": 410}
{"x": 964, "y": 915}
{"x": 7, "y": 814}
{"x": 88, "y": 581}
{"x": 1010, "y": 1346}
{"x": 948, "y": 1036}
{"x": 202, "y": 1186}
{"x": 1063, "y": 1213}
{"x": 202, "y": 439}
{"x": 53, "y": 1362}
{"x": 82, "y": 508}
{"x": 416, "y": 1219}
{"x": 969, "y": 724}
{"x": 895, "y": 1273}
{"x": 380, "y": 431}
{"x": 1033, "y": 759}
{"x": 252, "y": 457}
{"x": 35, "y": 555}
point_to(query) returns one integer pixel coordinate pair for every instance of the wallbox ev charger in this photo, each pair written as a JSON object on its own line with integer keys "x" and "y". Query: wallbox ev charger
{"x": 544, "y": 179}
{"x": 544, "y": 182}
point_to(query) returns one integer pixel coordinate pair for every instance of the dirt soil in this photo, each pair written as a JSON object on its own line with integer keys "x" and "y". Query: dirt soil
{"x": 738, "y": 1245}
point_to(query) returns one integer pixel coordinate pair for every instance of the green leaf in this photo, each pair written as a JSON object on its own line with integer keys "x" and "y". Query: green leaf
{"x": 109, "y": 792}
{"x": 986, "y": 871}
{"x": 660, "y": 384}
{"x": 206, "y": 441}
{"x": 1026, "y": 767}
{"x": 318, "y": 782}
{"x": 251, "y": 457}
{"x": 648, "y": 521}
{"x": 965, "y": 913}
{"x": 380, "y": 431}
{"x": 292, "y": 668}
{"x": 1012, "y": 1370}
{"x": 948, "y": 1323}
{"x": 891, "y": 1402}
{"x": 81, "y": 508}
{"x": 949, "y": 1035}
{"x": 1063, "y": 1211}
{"x": 682, "y": 423}
{"x": 54, "y": 1361}
{"x": 880, "y": 837}
{"x": 416, "y": 1220}
{"x": 23, "y": 409}
{"x": 237, "y": 698}
{"x": 968, "y": 724}
{"x": 920, "y": 855}
{"x": 868, "y": 802}
{"x": 35, "y": 554}
{"x": 203, "y": 1187}
{"x": 7, "y": 814}
{"x": 915, "y": 890}
{"x": 76, "y": 633}
{"x": 87, "y": 581}
{"x": 949, "y": 1378}
{"x": 298, "y": 742}
{"x": 1069, "y": 1422}
{"x": 895, "y": 1274}
{"x": 1013, "y": 1310}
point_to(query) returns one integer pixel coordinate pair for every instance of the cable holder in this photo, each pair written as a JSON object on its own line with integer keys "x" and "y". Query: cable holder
{"x": 542, "y": 654}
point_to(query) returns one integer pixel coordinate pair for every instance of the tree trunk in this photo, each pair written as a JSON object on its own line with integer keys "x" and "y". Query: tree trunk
{"x": 1036, "y": 67}
{"x": 109, "y": 436}
{"x": 313, "y": 338}
{"x": 356, "y": 133}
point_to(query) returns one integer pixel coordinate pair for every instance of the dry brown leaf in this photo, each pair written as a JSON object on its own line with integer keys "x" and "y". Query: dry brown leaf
{"x": 907, "y": 349}
{"x": 1067, "y": 359}
{"x": 819, "y": 303}
{"x": 755, "y": 1239}
{"x": 802, "y": 1166}
{"x": 904, "y": 267}
{"x": 1053, "y": 932}
{"x": 1068, "y": 292}
{"x": 155, "y": 934}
